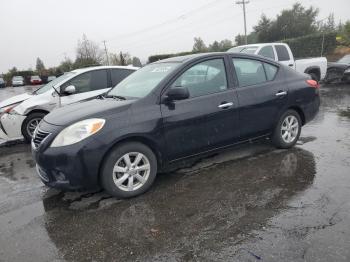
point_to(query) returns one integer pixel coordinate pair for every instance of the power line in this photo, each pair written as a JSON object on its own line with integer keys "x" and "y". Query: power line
{"x": 243, "y": 3}
{"x": 169, "y": 21}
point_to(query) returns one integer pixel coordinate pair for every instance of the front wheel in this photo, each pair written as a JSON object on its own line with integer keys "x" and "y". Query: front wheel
{"x": 29, "y": 125}
{"x": 287, "y": 131}
{"x": 129, "y": 170}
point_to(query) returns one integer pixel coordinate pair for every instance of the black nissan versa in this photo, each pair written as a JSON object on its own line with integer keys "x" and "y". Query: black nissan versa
{"x": 168, "y": 111}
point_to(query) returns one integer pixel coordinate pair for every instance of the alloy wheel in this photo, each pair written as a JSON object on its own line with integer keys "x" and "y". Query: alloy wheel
{"x": 131, "y": 171}
{"x": 289, "y": 129}
{"x": 31, "y": 125}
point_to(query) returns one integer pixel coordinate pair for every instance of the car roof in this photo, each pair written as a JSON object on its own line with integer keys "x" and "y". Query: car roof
{"x": 186, "y": 58}
{"x": 87, "y": 69}
{"x": 259, "y": 45}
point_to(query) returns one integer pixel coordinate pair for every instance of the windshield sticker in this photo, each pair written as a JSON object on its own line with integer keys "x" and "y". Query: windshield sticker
{"x": 161, "y": 69}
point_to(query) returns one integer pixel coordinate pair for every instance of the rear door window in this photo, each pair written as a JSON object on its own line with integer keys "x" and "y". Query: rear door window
{"x": 267, "y": 51}
{"x": 119, "y": 74}
{"x": 249, "y": 72}
{"x": 282, "y": 53}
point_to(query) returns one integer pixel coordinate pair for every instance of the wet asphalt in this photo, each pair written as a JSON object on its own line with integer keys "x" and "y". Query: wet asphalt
{"x": 249, "y": 203}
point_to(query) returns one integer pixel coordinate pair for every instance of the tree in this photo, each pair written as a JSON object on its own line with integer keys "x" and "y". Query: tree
{"x": 66, "y": 65}
{"x": 39, "y": 66}
{"x": 214, "y": 47}
{"x": 344, "y": 33}
{"x": 136, "y": 62}
{"x": 263, "y": 28}
{"x": 328, "y": 25}
{"x": 124, "y": 58}
{"x": 291, "y": 23}
{"x": 88, "y": 53}
{"x": 225, "y": 45}
{"x": 199, "y": 45}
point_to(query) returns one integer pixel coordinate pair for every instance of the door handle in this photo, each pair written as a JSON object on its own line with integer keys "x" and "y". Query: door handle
{"x": 225, "y": 105}
{"x": 291, "y": 65}
{"x": 281, "y": 93}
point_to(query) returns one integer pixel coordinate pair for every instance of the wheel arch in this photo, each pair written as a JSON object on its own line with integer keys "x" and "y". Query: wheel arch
{"x": 135, "y": 138}
{"x": 300, "y": 112}
{"x": 315, "y": 70}
{"x": 37, "y": 111}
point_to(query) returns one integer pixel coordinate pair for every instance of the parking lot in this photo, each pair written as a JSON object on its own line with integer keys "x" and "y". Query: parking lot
{"x": 252, "y": 203}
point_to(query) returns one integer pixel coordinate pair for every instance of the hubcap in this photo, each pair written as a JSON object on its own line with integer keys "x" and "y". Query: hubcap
{"x": 32, "y": 124}
{"x": 131, "y": 171}
{"x": 290, "y": 129}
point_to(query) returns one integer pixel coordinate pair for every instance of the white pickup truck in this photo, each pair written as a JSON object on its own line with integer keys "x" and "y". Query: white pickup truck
{"x": 315, "y": 67}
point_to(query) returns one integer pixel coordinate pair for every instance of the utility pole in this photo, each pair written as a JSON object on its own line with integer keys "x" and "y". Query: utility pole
{"x": 104, "y": 42}
{"x": 244, "y": 2}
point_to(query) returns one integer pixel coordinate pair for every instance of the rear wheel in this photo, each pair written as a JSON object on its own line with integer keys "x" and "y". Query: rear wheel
{"x": 287, "y": 131}
{"x": 29, "y": 125}
{"x": 129, "y": 170}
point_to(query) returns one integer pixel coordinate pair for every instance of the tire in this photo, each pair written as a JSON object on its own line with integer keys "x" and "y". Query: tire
{"x": 115, "y": 161}
{"x": 282, "y": 140}
{"x": 29, "y": 123}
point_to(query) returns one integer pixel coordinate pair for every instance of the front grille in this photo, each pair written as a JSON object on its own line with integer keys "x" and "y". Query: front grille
{"x": 38, "y": 137}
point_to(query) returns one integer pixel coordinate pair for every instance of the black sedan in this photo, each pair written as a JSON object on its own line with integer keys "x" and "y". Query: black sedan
{"x": 338, "y": 71}
{"x": 168, "y": 111}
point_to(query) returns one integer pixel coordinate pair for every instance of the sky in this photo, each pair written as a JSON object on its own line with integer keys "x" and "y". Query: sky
{"x": 50, "y": 29}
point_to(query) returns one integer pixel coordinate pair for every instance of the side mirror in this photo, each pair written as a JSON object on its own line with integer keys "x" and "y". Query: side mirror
{"x": 70, "y": 90}
{"x": 177, "y": 93}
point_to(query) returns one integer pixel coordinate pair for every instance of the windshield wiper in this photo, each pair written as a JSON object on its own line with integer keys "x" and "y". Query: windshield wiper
{"x": 116, "y": 97}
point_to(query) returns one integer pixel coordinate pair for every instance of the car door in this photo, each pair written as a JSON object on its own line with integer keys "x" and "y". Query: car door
{"x": 208, "y": 118}
{"x": 87, "y": 85}
{"x": 262, "y": 94}
{"x": 284, "y": 56}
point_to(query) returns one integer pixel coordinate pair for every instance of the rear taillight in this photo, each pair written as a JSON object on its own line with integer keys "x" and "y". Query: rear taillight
{"x": 313, "y": 83}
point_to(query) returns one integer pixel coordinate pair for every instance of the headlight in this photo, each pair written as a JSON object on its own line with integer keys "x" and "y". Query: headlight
{"x": 347, "y": 70}
{"x": 78, "y": 131}
{"x": 9, "y": 109}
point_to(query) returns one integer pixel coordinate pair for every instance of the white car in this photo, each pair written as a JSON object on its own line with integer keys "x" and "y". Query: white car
{"x": 315, "y": 67}
{"x": 19, "y": 115}
{"x": 18, "y": 81}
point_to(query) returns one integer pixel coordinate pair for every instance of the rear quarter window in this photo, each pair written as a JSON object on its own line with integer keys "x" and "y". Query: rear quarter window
{"x": 282, "y": 53}
{"x": 271, "y": 71}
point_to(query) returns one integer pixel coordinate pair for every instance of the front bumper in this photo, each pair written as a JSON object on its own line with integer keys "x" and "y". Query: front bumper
{"x": 10, "y": 126}
{"x": 69, "y": 167}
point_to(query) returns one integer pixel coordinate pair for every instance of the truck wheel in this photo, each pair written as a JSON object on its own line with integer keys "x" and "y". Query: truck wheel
{"x": 29, "y": 125}
{"x": 287, "y": 131}
{"x": 129, "y": 170}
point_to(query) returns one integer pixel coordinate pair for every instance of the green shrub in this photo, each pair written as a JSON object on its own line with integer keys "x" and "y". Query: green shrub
{"x": 311, "y": 45}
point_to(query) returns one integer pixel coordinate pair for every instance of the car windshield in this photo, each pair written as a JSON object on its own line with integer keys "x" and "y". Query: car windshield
{"x": 345, "y": 59}
{"x": 143, "y": 81}
{"x": 49, "y": 85}
{"x": 35, "y": 77}
{"x": 17, "y": 78}
{"x": 244, "y": 49}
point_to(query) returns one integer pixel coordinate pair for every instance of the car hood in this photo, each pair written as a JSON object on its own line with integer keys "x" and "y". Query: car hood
{"x": 15, "y": 99}
{"x": 97, "y": 108}
{"x": 338, "y": 65}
